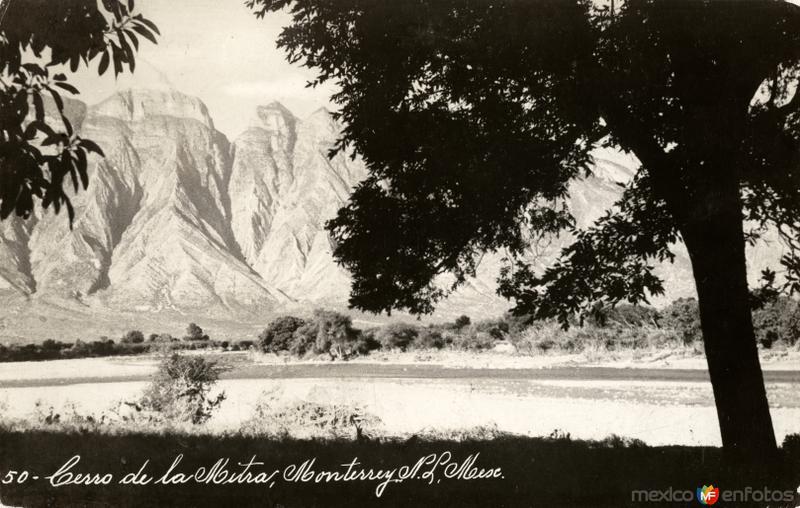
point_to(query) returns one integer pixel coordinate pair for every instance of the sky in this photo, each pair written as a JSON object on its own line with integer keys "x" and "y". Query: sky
{"x": 216, "y": 50}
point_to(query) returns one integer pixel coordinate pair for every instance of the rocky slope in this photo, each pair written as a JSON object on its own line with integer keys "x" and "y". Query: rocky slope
{"x": 177, "y": 219}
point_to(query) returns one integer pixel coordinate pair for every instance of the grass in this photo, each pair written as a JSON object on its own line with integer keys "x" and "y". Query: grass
{"x": 547, "y": 472}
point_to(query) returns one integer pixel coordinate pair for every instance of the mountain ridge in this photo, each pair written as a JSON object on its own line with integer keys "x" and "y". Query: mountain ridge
{"x": 180, "y": 220}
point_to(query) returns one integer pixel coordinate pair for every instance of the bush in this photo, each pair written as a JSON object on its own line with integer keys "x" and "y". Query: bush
{"x": 397, "y": 336}
{"x": 473, "y": 340}
{"x": 462, "y": 322}
{"x": 132, "y": 337}
{"x": 194, "y": 333}
{"x": 516, "y": 324}
{"x": 547, "y": 336}
{"x": 430, "y": 338}
{"x": 778, "y": 320}
{"x": 327, "y": 332}
{"x": 541, "y": 337}
{"x": 367, "y": 342}
{"x": 181, "y": 390}
{"x": 624, "y": 314}
{"x": 79, "y": 349}
{"x": 310, "y": 419}
{"x": 683, "y": 315}
{"x": 791, "y": 445}
{"x": 102, "y": 347}
{"x": 497, "y": 328}
{"x": 279, "y": 334}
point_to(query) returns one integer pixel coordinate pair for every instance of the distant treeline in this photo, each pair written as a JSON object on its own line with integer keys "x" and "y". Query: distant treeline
{"x": 132, "y": 343}
{"x": 332, "y": 334}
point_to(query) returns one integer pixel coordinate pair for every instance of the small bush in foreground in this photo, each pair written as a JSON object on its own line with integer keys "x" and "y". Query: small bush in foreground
{"x": 181, "y": 390}
{"x": 310, "y": 419}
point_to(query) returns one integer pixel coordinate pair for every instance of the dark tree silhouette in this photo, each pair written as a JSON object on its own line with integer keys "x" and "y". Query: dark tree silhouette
{"x": 37, "y": 154}
{"x": 474, "y": 115}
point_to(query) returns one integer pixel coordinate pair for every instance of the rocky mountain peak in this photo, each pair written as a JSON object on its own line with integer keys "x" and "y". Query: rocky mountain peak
{"x": 178, "y": 219}
{"x": 136, "y": 105}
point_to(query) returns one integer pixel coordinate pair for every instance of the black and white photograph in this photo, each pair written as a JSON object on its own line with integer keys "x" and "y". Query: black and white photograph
{"x": 400, "y": 253}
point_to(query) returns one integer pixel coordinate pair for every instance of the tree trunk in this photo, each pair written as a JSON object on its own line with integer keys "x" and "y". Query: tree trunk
{"x": 712, "y": 231}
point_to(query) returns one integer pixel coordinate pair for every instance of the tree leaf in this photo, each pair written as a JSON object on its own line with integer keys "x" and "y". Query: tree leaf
{"x": 38, "y": 106}
{"x": 70, "y": 211}
{"x": 134, "y": 39}
{"x": 152, "y": 26}
{"x": 145, "y": 33}
{"x": 104, "y": 61}
{"x": 31, "y": 130}
{"x": 57, "y": 99}
{"x": 117, "y": 58}
{"x": 91, "y": 146}
{"x": 67, "y": 125}
{"x": 82, "y": 164}
{"x": 127, "y": 51}
{"x": 66, "y": 86}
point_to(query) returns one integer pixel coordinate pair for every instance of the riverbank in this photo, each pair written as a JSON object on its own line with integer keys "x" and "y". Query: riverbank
{"x": 778, "y": 366}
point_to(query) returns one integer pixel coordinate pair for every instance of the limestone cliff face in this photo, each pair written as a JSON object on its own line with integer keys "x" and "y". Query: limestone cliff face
{"x": 283, "y": 189}
{"x": 153, "y": 230}
{"x": 177, "y": 218}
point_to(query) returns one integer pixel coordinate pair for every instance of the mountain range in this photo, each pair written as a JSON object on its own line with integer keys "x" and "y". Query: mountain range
{"x": 180, "y": 223}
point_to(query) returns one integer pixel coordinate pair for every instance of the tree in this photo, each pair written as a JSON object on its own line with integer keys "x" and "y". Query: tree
{"x": 326, "y": 332}
{"x": 278, "y": 335}
{"x": 473, "y": 116}
{"x": 132, "y": 337}
{"x": 194, "y": 333}
{"x": 462, "y": 321}
{"x": 397, "y": 336}
{"x": 37, "y": 153}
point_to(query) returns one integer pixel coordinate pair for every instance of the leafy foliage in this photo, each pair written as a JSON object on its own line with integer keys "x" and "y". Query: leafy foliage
{"x": 326, "y": 332}
{"x": 133, "y": 337}
{"x": 462, "y": 321}
{"x": 397, "y": 336}
{"x": 683, "y": 315}
{"x": 777, "y": 321}
{"x": 195, "y": 333}
{"x": 278, "y": 335}
{"x": 473, "y": 340}
{"x": 430, "y": 338}
{"x": 40, "y": 149}
{"x": 181, "y": 390}
{"x": 473, "y": 117}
